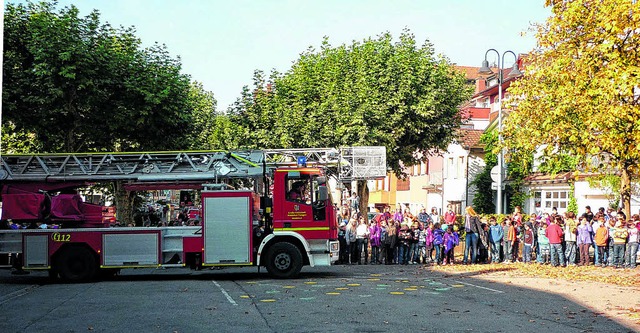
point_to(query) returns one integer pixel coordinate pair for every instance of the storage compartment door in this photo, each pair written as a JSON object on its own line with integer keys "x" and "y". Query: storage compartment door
{"x": 130, "y": 250}
{"x": 227, "y": 230}
{"x": 36, "y": 251}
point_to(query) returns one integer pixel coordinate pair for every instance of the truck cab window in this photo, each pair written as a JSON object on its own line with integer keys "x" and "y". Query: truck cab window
{"x": 299, "y": 189}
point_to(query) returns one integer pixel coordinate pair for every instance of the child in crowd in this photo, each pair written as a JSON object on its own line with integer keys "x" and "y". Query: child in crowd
{"x": 584, "y": 241}
{"x": 496, "y": 233}
{"x": 601, "y": 239}
{"x": 510, "y": 242}
{"x": 404, "y": 237}
{"x": 422, "y": 253}
{"x": 451, "y": 239}
{"x": 620, "y": 235}
{"x": 543, "y": 243}
{"x": 428, "y": 241}
{"x": 528, "y": 243}
{"x": 632, "y": 244}
{"x": 438, "y": 240}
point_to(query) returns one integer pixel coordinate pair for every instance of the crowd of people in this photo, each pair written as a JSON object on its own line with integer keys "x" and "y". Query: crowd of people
{"x": 604, "y": 239}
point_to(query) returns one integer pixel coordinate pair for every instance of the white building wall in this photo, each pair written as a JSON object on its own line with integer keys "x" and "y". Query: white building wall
{"x": 455, "y": 173}
{"x": 551, "y": 195}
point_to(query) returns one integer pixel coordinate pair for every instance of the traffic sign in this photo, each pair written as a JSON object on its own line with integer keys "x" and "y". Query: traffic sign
{"x": 495, "y": 173}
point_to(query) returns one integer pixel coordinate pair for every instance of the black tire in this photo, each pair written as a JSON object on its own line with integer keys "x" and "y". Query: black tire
{"x": 284, "y": 261}
{"x": 77, "y": 264}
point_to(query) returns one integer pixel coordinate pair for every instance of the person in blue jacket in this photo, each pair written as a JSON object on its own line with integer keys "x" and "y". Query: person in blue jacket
{"x": 496, "y": 233}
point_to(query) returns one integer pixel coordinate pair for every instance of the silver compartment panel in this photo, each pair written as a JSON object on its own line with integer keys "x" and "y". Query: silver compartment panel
{"x": 36, "y": 251}
{"x": 130, "y": 249}
{"x": 227, "y": 234}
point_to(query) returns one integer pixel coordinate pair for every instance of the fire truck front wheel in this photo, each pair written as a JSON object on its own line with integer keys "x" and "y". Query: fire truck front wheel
{"x": 76, "y": 264}
{"x": 284, "y": 260}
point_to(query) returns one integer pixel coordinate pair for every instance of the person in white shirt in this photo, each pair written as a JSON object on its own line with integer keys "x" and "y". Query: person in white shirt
{"x": 362, "y": 239}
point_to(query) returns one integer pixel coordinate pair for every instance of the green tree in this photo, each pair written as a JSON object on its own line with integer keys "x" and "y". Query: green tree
{"x": 580, "y": 91}
{"x": 76, "y": 84}
{"x": 373, "y": 92}
{"x": 483, "y": 201}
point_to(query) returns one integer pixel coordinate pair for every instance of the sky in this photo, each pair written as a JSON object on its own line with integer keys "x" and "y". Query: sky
{"x": 222, "y": 42}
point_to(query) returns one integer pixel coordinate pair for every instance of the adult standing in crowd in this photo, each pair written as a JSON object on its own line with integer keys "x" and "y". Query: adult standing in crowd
{"x": 350, "y": 237}
{"x": 362, "y": 239}
{"x": 588, "y": 214}
{"x": 390, "y": 244}
{"x": 450, "y": 216}
{"x": 435, "y": 217}
{"x": 374, "y": 241}
{"x": 423, "y": 217}
{"x": 472, "y": 228}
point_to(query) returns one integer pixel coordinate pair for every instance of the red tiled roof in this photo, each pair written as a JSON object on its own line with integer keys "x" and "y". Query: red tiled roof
{"x": 470, "y": 138}
{"x": 470, "y": 72}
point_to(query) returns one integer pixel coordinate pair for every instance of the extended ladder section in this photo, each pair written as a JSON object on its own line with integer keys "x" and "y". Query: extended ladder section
{"x": 346, "y": 163}
{"x": 349, "y": 163}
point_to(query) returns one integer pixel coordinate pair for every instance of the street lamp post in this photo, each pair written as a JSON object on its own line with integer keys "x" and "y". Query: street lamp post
{"x": 514, "y": 72}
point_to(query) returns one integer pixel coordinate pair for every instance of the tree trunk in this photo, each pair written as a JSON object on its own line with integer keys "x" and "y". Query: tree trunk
{"x": 124, "y": 203}
{"x": 625, "y": 191}
{"x": 363, "y": 193}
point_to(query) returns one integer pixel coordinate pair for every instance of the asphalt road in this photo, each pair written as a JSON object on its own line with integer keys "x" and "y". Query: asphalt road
{"x": 328, "y": 299}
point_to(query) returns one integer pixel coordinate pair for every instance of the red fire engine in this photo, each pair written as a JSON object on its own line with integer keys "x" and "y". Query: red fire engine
{"x": 259, "y": 208}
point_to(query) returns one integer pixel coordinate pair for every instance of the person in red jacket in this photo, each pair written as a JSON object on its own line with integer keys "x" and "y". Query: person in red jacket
{"x": 554, "y": 233}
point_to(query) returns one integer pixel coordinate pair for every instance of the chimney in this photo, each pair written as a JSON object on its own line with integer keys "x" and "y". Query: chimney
{"x": 481, "y": 84}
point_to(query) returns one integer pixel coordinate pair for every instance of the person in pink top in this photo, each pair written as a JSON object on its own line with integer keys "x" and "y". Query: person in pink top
{"x": 450, "y": 216}
{"x": 554, "y": 233}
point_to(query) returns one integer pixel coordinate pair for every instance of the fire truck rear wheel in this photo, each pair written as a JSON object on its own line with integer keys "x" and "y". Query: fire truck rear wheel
{"x": 284, "y": 260}
{"x": 76, "y": 264}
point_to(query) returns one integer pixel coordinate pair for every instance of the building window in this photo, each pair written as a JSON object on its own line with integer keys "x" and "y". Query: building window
{"x": 545, "y": 200}
{"x": 460, "y": 167}
{"x": 423, "y": 167}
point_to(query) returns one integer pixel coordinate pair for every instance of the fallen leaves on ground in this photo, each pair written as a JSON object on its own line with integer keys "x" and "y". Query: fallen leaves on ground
{"x": 619, "y": 277}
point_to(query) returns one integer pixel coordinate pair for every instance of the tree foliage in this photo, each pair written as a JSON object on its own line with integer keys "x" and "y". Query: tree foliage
{"x": 76, "y": 84}
{"x": 580, "y": 91}
{"x": 483, "y": 201}
{"x": 374, "y": 92}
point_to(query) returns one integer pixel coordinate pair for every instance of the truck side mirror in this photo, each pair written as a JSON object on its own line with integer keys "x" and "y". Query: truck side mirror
{"x": 323, "y": 193}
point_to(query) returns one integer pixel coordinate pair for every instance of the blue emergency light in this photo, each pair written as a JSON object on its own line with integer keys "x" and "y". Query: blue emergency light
{"x": 302, "y": 161}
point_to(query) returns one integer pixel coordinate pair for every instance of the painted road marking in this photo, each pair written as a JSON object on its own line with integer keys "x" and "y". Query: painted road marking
{"x": 288, "y": 287}
{"x": 225, "y": 293}
{"x": 396, "y": 293}
{"x": 271, "y": 300}
{"x": 310, "y": 282}
{"x": 16, "y": 294}
{"x": 333, "y": 293}
{"x": 481, "y": 287}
